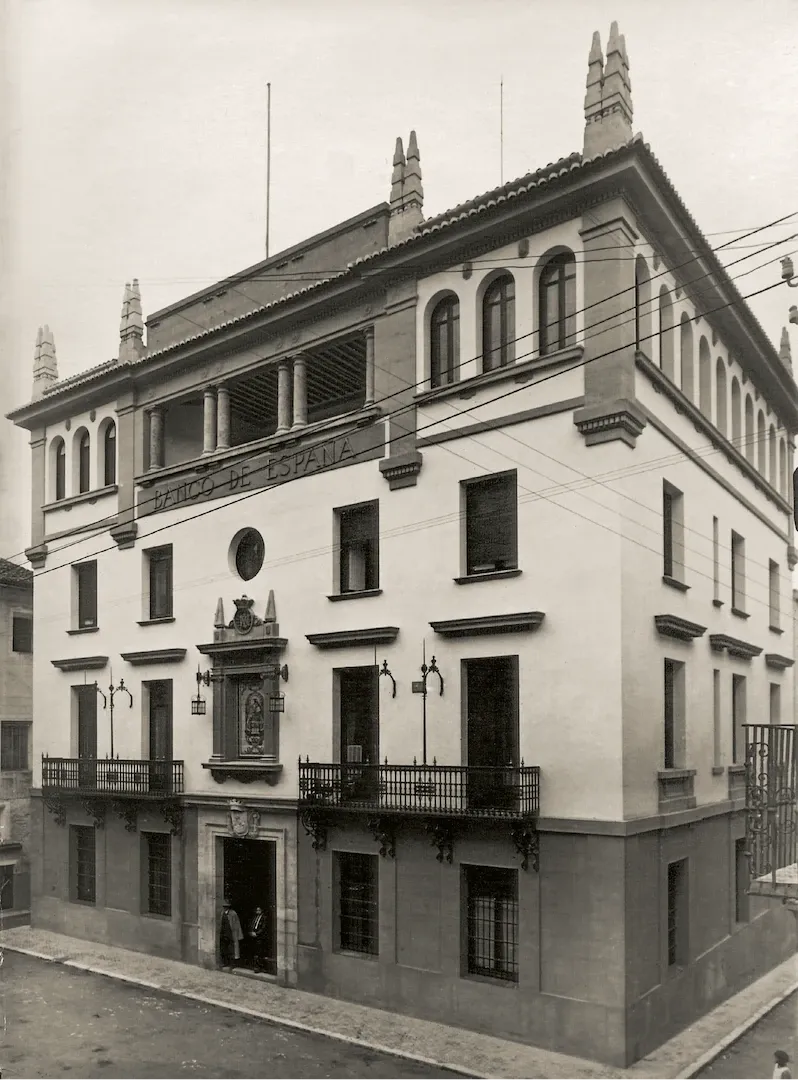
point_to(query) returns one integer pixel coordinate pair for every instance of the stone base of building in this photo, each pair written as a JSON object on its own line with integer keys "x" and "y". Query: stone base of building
{"x": 597, "y": 975}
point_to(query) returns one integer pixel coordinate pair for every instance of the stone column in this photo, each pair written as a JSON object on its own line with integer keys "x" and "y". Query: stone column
{"x": 223, "y": 418}
{"x": 283, "y": 396}
{"x": 209, "y": 420}
{"x": 369, "y": 367}
{"x": 300, "y": 393}
{"x": 156, "y": 438}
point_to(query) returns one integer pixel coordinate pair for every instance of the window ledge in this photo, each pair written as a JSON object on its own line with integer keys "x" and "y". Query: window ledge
{"x": 490, "y": 575}
{"x": 490, "y": 980}
{"x": 674, "y": 583}
{"x": 718, "y": 770}
{"x": 244, "y": 771}
{"x": 81, "y": 497}
{"x": 156, "y": 622}
{"x": 520, "y": 372}
{"x": 717, "y": 603}
{"x": 356, "y": 595}
{"x": 776, "y": 629}
{"x": 357, "y": 955}
{"x": 740, "y": 613}
{"x": 84, "y": 630}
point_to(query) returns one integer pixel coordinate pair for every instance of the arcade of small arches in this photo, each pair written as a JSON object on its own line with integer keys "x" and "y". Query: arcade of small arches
{"x": 73, "y": 461}
{"x": 555, "y": 329}
{"x": 718, "y": 396}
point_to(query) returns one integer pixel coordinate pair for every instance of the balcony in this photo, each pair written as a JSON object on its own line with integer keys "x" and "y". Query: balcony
{"x": 771, "y": 809}
{"x": 126, "y": 786}
{"x": 438, "y": 795}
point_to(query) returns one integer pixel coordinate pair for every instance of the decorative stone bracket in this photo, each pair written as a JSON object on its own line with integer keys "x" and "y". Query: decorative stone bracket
{"x": 402, "y": 470}
{"x": 127, "y": 809}
{"x": 383, "y": 830}
{"x": 610, "y": 421}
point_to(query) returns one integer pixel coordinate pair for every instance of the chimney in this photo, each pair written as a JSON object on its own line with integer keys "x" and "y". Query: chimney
{"x": 45, "y": 363}
{"x": 407, "y": 193}
{"x": 608, "y": 101}
{"x": 131, "y": 327}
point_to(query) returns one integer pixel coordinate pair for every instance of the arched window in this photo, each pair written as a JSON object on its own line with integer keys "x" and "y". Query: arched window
{"x": 498, "y": 323}
{"x": 59, "y": 469}
{"x": 109, "y": 454}
{"x": 84, "y": 461}
{"x": 666, "y": 334}
{"x": 721, "y": 405}
{"x": 642, "y": 305}
{"x": 557, "y": 303}
{"x": 762, "y": 445}
{"x": 783, "y": 467}
{"x": 773, "y": 475}
{"x": 704, "y": 378}
{"x": 749, "y": 429}
{"x": 444, "y": 346}
{"x": 686, "y": 349}
{"x": 736, "y": 414}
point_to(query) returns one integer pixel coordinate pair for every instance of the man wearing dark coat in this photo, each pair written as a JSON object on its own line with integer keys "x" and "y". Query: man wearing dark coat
{"x": 230, "y": 934}
{"x": 257, "y": 934}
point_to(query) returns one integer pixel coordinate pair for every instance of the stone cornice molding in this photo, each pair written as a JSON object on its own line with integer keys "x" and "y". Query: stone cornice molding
{"x": 80, "y": 663}
{"x": 154, "y": 656}
{"x": 741, "y": 650}
{"x": 489, "y": 624}
{"x": 676, "y": 627}
{"x": 778, "y": 662}
{"x": 342, "y": 639}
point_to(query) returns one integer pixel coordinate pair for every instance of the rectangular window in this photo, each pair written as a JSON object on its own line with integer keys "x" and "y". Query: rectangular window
{"x": 717, "y": 724}
{"x": 775, "y": 703}
{"x": 22, "y": 634}
{"x": 358, "y": 902}
{"x": 672, "y": 532}
{"x": 157, "y": 852}
{"x": 84, "y": 868}
{"x": 359, "y": 547}
{"x": 491, "y": 524}
{"x": 674, "y": 718}
{"x": 741, "y": 872}
{"x": 738, "y": 573}
{"x": 677, "y": 913}
{"x": 739, "y": 705}
{"x": 492, "y": 914}
{"x": 14, "y": 746}
{"x": 86, "y": 586}
{"x": 6, "y": 887}
{"x": 159, "y": 561}
{"x": 774, "y": 589}
{"x": 715, "y": 561}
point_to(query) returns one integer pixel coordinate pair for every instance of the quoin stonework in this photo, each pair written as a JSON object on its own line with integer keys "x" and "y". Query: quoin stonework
{"x": 423, "y": 607}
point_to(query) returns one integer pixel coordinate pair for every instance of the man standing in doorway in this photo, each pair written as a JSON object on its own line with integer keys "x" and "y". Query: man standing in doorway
{"x": 257, "y": 933}
{"x": 230, "y": 935}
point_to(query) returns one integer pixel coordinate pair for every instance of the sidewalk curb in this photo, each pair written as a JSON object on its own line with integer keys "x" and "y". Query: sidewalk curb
{"x": 737, "y": 1033}
{"x": 279, "y": 1021}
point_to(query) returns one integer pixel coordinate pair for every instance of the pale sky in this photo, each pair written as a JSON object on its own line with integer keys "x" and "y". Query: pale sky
{"x": 139, "y": 131}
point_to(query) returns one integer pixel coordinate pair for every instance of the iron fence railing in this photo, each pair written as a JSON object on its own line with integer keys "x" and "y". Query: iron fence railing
{"x": 458, "y": 790}
{"x": 771, "y": 789}
{"x": 110, "y": 776}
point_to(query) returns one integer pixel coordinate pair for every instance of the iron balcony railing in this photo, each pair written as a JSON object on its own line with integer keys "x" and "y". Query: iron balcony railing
{"x": 771, "y": 790}
{"x": 110, "y": 776}
{"x": 509, "y": 791}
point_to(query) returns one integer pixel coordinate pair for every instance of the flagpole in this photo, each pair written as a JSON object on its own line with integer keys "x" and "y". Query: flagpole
{"x": 268, "y": 157}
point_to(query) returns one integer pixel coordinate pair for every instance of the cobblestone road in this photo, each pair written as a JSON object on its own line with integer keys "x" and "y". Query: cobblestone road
{"x": 752, "y": 1055}
{"x": 61, "y": 1022}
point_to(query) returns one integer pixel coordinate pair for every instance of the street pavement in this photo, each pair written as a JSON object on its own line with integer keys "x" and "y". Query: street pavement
{"x": 60, "y": 1022}
{"x": 752, "y": 1054}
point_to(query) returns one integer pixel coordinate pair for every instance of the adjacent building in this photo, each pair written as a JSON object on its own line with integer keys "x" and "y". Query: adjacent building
{"x": 423, "y": 606}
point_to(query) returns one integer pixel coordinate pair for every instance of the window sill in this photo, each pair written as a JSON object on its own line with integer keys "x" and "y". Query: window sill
{"x": 84, "y": 630}
{"x": 156, "y": 917}
{"x": 489, "y": 575}
{"x": 674, "y": 583}
{"x": 776, "y": 629}
{"x": 489, "y": 980}
{"x": 717, "y": 603}
{"x": 718, "y": 770}
{"x": 520, "y": 371}
{"x": 358, "y": 594}
{"x": 357, "y": 955}
{"x": 740, "y": 613}
{"x": 156, "y": 622}
{"x": 82, "y": 497}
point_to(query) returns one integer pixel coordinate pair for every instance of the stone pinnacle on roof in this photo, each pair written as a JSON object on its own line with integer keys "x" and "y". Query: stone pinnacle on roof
{"x": 407, "y": 194}
{"x": 414, "y": 192}
{"x": 125, "y": 310}
{"x": 131, "y": 328}
{"x": 608, "y": 102}
{"x": 45, "y": 362}
{"x": 785, "y": 352}
{"x": 398, "y": 175}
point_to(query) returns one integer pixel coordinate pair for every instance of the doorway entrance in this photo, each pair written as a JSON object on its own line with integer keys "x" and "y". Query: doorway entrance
{"x": 250, "y": 881}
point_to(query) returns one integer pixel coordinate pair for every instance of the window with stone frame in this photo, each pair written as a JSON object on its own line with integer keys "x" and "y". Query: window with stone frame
{"x": 491, "y": 523}
{"x": 86, "y": 595}
{"x": 358, "y": 529}
{"x": 250, "y": 725}
{"x": 159, "y": 566}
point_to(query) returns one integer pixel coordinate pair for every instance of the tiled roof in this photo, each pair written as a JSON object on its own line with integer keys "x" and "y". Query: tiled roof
{"x": 524, "y": 186}
{"x": 12, "y": 574}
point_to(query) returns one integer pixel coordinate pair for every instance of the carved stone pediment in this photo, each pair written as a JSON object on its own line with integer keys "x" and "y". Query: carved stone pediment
{"x": 246, "y": 631}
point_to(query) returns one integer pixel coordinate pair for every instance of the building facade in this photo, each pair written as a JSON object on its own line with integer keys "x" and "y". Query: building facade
{"x": 16, "y": 713}
{"x": 424, "y": 607}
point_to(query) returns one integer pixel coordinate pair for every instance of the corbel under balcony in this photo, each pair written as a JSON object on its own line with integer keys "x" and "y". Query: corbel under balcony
{"x": 154, "y": 656}
{"x": 489, "y": 624}
{"x": 742, "y": 650}
{"x": 245, "y": 772}
{"x": 676, "y": 627}
{"x": 80, "y": 663}
{"x": 778, "y": 662}
{"x": 343, "y": 639}
{"x": 402, "y": 470}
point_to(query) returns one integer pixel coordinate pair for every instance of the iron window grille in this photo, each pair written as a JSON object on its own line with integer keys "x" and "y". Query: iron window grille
{"x": 160, "y": 566}
{"x": 159, "y": 873}
{"x": 444, "y": 342}
{"x": 14, "y": 747}
{"x": 358, "y": 903}
{"x": 492, "y": 906}
{"x": 491, "y": 524}
{"x": 86, "y": 574}
{"x": 85, "y": 864}
{"x": 22, "y": 634}
{"x": 498, "y": 324}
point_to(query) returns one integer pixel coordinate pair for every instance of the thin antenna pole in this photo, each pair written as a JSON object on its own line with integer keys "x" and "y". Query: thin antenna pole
{"x": 268, "y": 158}
{"x": 501, "y": 130}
